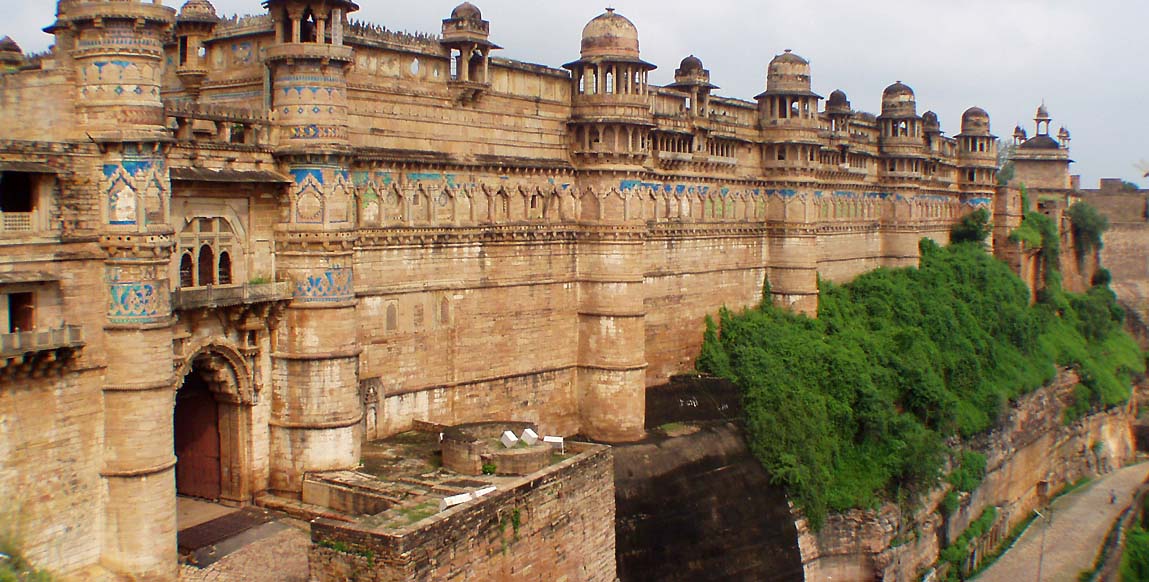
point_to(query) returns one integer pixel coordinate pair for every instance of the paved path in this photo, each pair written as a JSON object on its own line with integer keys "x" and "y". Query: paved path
{"x": 1079, "y": 523}
{"x": 279, "y": 558}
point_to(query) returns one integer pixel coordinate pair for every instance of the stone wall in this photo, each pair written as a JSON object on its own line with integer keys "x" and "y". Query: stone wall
{"x": 1031, "y": 457}
{"x": 554, "y": 525}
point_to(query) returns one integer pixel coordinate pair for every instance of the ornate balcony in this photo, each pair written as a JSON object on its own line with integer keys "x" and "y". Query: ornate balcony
{"x": 35, "y": 354}
{"x": 229, "y": 295}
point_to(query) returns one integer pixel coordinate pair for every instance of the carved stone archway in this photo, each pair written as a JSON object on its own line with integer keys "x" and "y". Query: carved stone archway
{"x": 229, "y": 378}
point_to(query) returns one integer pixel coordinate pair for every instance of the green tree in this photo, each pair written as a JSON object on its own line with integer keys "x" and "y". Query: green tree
{"x": 973, "y": 227}
{"x": 1089, "y": 226}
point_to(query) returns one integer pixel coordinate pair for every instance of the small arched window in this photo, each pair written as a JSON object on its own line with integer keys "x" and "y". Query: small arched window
{"x": 187, "y": 271}
{"x": 224, "y": 268}
{"x": 308, "y": 32}
{"x": 445, "y": 311}
{"x": 206, "y": 266}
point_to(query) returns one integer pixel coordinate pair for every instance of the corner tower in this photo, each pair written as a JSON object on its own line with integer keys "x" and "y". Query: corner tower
{"x": 316, "y": 409}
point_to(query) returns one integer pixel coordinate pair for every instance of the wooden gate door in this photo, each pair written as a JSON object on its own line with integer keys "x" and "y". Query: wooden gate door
{"x": 197, "y": 441}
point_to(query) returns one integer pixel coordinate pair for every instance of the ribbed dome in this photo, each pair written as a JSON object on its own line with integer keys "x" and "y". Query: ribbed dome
{"x": 975, "y": 120}
{"x": 198, "y": 11}
{"x": 790, "y": 58}
{"x": 466, "y": 10}
{"x": 931, "y": 122}
{"x": 691, "y": 64}
{"x": 788, "y": 73}
{"x": 899, "y": 100}
{"x": 838, "y": 102}
{"x": 610, "y": 35}
{"x": 7, "y": 45}
{"x": 898, "y": 89}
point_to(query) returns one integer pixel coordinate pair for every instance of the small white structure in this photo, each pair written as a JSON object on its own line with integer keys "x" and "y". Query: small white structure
{"x": 530, "y": 437}
{"x": 509, "y": 439}
{"x": 556, "y": 442}
{"x": 485, "y": 491}
{"x": 448, "y": 502}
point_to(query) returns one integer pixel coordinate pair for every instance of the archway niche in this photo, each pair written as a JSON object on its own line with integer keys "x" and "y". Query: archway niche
{"x": 212, "y": 423}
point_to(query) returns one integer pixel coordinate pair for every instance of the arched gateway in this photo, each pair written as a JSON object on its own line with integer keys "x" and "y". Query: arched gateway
{"x": 212, "y": 426}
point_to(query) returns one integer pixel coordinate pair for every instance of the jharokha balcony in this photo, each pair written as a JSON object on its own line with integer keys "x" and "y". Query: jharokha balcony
{"x": 229, "y": 295}
{"x": 38, "y": 353}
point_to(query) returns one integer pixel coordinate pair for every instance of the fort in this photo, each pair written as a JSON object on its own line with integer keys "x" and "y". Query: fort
{"x": 235, "y": 250}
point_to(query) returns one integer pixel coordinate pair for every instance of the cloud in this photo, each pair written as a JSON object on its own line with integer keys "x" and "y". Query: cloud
{"x": 1086, "y": 59}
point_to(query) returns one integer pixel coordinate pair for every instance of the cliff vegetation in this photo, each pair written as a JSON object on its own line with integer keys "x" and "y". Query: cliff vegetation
{"x": 856, "y": 407}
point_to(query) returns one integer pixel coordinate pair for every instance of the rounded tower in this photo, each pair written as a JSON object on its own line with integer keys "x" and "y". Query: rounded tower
{"x": 316, "y": 410}
{"x": 115, "y": 51}
{"x": 612, "y": 119}
{"x": 977, "y": 152}
{"x": 788, "y": 114}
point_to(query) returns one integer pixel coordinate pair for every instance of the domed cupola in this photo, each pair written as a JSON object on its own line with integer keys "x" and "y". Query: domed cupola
{"x": 11, "y": 56}
{"x": 904, "y": 139}
{"x": 977, "y": 151}
{"x": 612, "y": 99}
{"x": 610, "y": 35}
{"x": 898, "y": 100}
{"x": 466, "y": 36}
{"x": 197, "y": 11}
{"x": 194, "y": 26}
{"x": 788, "y": 114}
{"x": 975, "y": 121}
{"x": 838, "y": 102}
{"x": 788, "y": 99}
{"x": 931, "y": 123}
{"x": 692, "y": 78}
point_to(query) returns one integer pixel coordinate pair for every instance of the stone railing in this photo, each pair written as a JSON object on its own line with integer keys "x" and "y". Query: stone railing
{"x": 228, "y": 295}
{"x": 16, "y": 222}
{"x": 24, "y": 342}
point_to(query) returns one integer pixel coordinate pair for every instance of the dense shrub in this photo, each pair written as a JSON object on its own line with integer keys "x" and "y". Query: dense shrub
{"x": 973, "y": 227}
{"x": 1088, "y": 227}
{"x": 853, "y": 408}
{"x": 1135, "y": 560}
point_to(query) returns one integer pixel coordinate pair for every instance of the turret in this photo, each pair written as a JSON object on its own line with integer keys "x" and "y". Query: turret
{"x": 465, "y": 35}
{"x": 788, "y": 114}
{"x": 692, "y": 78}
{"x": 977, "y": 151}
{"x": 902, "y": 138}
{"x": 11, "y": 56}
{"x": 612, "y": 100}
{"x": 309, "y": 74}
{"x": 1042, "y": 163}
{"x": 194, "y": 25}
{"x": 116, "y": 49}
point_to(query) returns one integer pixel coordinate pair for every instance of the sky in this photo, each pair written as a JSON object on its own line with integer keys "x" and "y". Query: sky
{"x": 1086, "y": 59}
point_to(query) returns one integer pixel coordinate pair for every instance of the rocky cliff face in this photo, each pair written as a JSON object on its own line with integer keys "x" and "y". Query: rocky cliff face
{"x": 1031, "y": 457}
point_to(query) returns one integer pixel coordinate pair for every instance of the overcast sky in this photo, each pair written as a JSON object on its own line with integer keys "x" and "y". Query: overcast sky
{"x": 1086, "y": 58}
